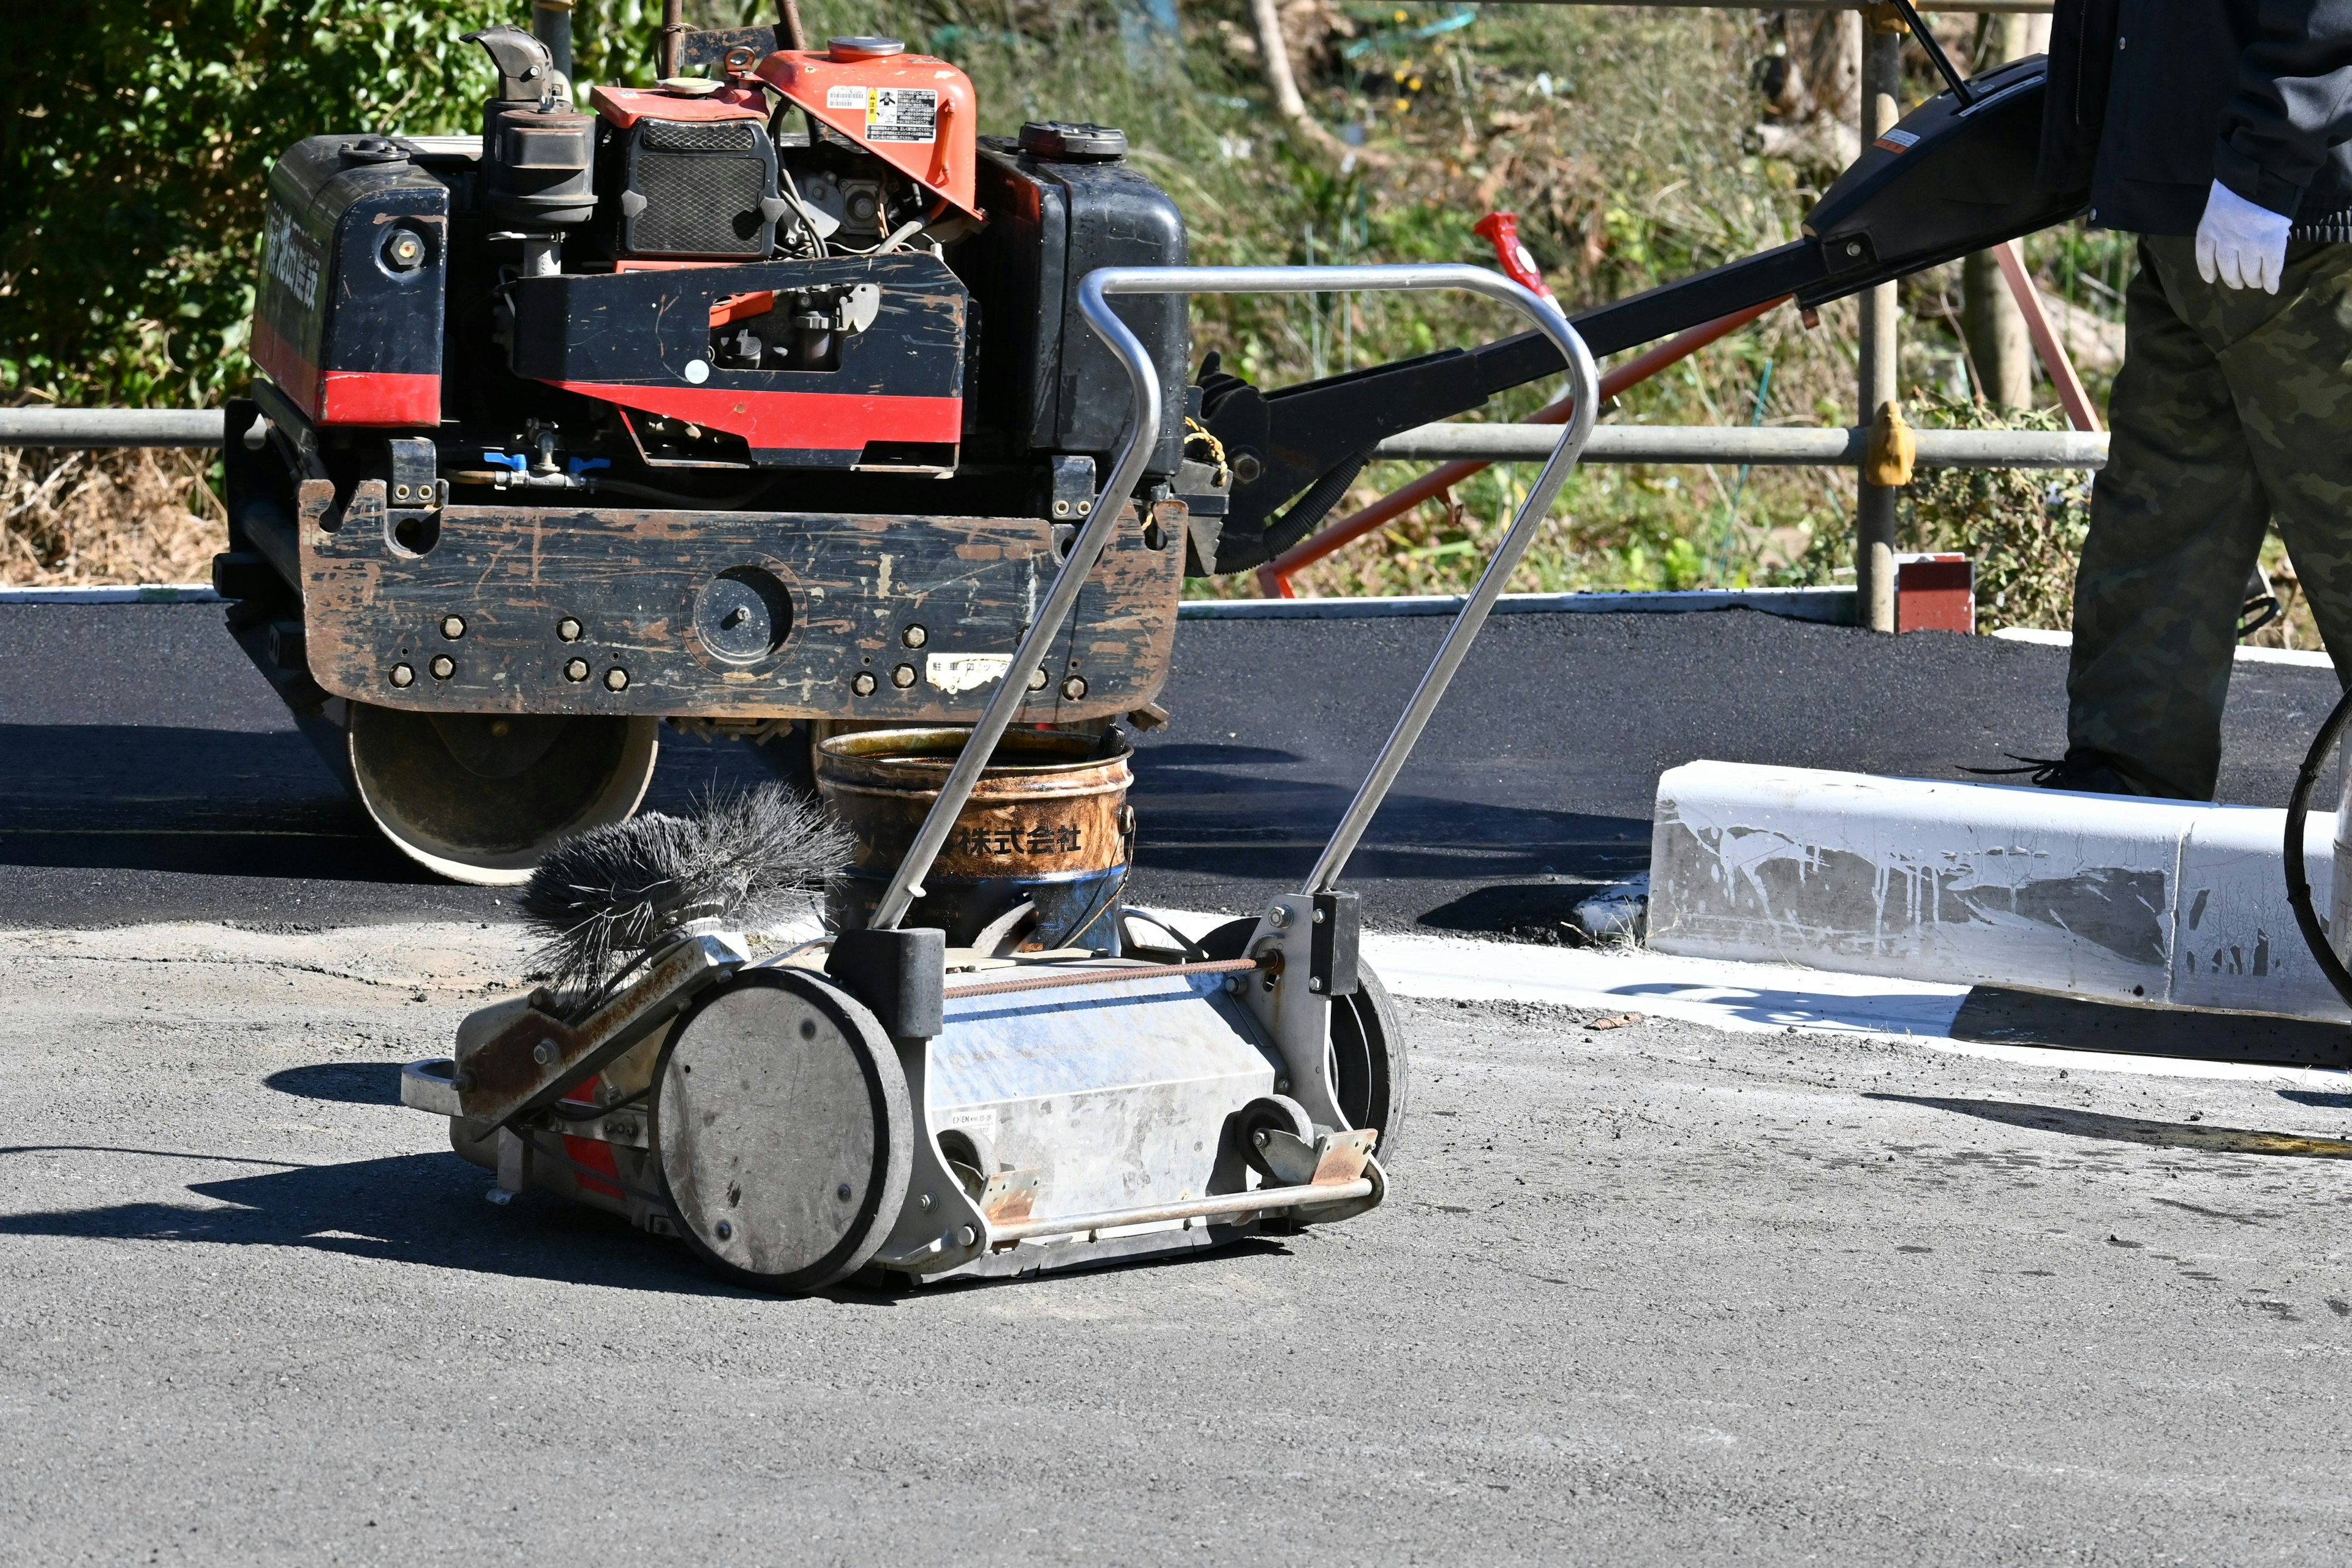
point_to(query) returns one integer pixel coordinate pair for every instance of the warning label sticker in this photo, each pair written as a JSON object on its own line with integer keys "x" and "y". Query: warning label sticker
{"x": 853, "y": 97}
{"x": 904, "y": 114}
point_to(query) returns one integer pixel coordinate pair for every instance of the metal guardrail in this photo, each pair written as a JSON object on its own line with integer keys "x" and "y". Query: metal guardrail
{"x": 1491, "y": 443}
{"x": 111, "y": 426}
{"x": 1765, "y": 447}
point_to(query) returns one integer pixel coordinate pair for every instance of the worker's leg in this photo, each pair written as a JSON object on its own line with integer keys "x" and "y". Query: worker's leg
{"x": 2177, "y": 520}
{"x": 2289, "y": 360}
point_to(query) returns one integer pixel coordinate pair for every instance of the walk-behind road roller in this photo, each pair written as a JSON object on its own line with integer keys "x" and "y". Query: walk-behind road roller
{"x": 758, "y": 401}
{"x": 922, "y": 1111}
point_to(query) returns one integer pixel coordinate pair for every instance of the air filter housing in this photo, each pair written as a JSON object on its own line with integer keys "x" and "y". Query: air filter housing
{"x": 689, "y": 178}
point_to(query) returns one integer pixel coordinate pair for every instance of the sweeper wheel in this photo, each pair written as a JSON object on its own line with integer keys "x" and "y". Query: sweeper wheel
{"x": 781, "y": 1130}
{"x": 1368, "y": 1048}
{"x": 480, "y": 797}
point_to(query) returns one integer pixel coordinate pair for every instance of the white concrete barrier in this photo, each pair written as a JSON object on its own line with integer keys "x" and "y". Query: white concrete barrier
{"x": 2160, "y": 903}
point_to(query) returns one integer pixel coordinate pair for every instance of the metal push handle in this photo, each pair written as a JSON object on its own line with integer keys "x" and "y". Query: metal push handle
{"x": 1143, "y": 431}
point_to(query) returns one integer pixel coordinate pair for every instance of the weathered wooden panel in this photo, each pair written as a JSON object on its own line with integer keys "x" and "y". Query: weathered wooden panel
{"x": 665, "y": 612}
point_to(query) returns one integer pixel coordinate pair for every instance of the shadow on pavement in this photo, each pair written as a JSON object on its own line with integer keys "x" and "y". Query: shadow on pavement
{"x": 351, "y": 1083}
{"x": 428, "y": 1210}
{"x": 425, "y": 1209}
{"x": 2131, "y": 1130}
{"x": 1995, "y": 1014}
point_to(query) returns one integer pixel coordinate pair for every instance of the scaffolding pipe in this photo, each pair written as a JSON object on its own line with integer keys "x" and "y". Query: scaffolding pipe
{"x": 1873, "y": 513}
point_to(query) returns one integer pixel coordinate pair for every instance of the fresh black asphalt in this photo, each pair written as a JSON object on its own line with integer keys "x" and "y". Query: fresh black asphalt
{"x": 147, "y": 772}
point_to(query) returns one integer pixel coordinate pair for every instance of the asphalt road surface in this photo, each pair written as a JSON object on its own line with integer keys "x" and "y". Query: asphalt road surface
{"x": 1654, "y": 1295}
{"x": 147, "y": 772}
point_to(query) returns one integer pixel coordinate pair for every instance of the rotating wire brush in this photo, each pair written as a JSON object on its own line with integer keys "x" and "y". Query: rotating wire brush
{"x": 614, "y": 895}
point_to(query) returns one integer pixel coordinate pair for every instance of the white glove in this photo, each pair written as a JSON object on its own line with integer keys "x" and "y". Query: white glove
{"x": 2244, "y": 244}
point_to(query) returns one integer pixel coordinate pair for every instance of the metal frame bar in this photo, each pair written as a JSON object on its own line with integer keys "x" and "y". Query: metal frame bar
{"x": 1143, "y": 429}
{"x": 1777, "y": 446}
{"x": 1260, "y": 1201}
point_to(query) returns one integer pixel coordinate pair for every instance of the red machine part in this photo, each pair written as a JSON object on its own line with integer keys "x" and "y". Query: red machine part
{"x": 916, "y": 113}
{"x": 345, "y": 396}
{"x": 1502, "y": 231}
{"x": 624, "y": 106}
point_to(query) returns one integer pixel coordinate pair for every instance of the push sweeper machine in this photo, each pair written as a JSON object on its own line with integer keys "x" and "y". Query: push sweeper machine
{"x": 922, "y": 1112}
{"x": 776, "y": 402}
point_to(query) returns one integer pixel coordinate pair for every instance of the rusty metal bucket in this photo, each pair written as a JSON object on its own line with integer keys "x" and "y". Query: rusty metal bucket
{"x": 1038, "y": 855}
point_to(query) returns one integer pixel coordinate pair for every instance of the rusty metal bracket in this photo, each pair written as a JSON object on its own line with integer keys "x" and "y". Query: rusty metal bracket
{"x": 533, "y": 1057}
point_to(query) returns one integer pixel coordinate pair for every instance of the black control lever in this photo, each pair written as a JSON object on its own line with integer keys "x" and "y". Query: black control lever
{"x": 1961, "y": 179}
{"x": 1935, "y": 54}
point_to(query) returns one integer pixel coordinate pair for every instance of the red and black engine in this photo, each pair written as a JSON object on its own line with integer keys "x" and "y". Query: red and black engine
{"x": 753, "y": 396}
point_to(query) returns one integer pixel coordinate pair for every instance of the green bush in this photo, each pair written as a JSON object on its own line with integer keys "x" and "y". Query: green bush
{"x": 134, "y": 142}
{"x": 2023, "y": 528}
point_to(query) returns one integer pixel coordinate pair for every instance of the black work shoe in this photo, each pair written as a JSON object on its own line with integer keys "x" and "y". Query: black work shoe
{"x": 2081, "y": 770}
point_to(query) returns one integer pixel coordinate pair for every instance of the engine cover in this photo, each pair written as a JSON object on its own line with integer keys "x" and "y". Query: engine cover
{"x": 665, "y": 343}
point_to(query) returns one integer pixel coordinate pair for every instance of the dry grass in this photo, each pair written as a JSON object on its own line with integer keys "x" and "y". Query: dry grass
{"x": 86, "y": 517}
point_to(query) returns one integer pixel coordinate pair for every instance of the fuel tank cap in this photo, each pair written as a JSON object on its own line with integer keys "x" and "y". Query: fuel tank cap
{"x": 865, "y": 49}
{"x": 1059, "y": 142}
{"x": 374, "y": 150}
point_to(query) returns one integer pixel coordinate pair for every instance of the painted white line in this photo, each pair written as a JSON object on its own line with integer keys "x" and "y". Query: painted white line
{"x": 114, "y": 594}
{"x": 1736, "y": 997}
{"x": 2308, "y": 658}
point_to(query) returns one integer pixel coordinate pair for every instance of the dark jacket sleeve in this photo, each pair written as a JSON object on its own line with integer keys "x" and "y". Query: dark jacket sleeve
{"x": 2293, "y": 103}
{"x": 2074, "y": 98}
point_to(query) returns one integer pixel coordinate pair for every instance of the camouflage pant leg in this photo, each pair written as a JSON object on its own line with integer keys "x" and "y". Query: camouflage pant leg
{"x": 2221, "y": 419}
{"x": 2292, "y": 371}
{"x": 2175, "y": 522}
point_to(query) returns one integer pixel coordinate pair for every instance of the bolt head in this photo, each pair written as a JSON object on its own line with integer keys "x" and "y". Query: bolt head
{"x": 404, "y": 251}
{"x": 404, "y": 675}
{"x": 927, "y": 1201}
{"x": 1282, "y": 1086}
{"x": 453, "y": 626}
{"x": 1318, "y": 917}
{"x": 1037, "y": 681}
{"x": 863, "y": 683}
{"x": 1261, "y": 1137}
{"x": 1314, "y": 983}
{"x": 1278, "y": 917}
{"x": 841, "y": 1192}
{"x": 544, "y": 1053}
{"x": 914, "y": 637}
{"x": 616, "y": 680}
{"x": 568, "y": 629}
{"x": 968, "y": 1236}
{"x": 1073, "y": 687}
{"x": 725, "y": 1229}
{"x": 577, "y": 669}
{"x": 444, "y": 667}
{"x": 902, "y": 675}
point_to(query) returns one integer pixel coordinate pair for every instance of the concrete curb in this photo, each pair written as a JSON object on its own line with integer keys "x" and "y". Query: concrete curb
{"x": 2305, "y": 658}
{"x": 2155, "y": 903}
